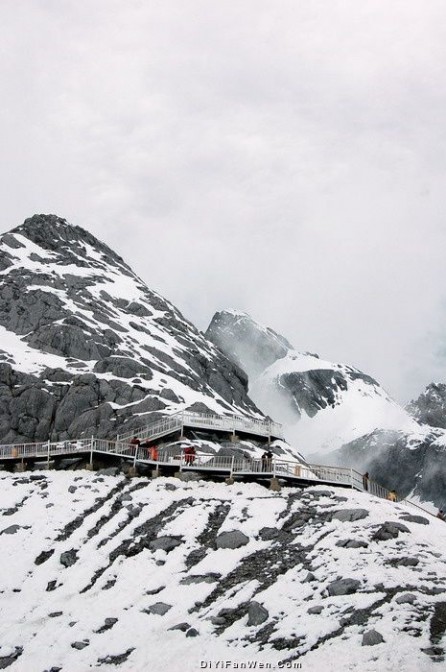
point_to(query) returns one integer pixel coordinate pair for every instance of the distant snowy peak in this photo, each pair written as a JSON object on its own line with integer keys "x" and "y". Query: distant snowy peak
{"x": 322, "y": 404}
{"x": 246, "y": 342}
{"x": 430, "y": 407}
{"x": 71, "y": 307}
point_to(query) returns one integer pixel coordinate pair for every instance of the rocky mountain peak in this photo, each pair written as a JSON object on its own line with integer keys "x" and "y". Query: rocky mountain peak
{"x": 62, "y": 241}
{"x": 430, "y": 407}
{"x": 246, "y": 342}
{"x": 92, "y": 345}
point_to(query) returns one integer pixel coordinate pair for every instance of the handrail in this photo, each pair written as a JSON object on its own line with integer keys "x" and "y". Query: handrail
{"x": 205, "y": 420}
{"x": 234, "y": 464}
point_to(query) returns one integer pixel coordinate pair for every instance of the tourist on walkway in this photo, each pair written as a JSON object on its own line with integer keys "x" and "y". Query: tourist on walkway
{"x": 392, "y": 496}
{"x": 189, "y": 454}
{"x": 365, "y": 480}
{"x": 267, "y": 459}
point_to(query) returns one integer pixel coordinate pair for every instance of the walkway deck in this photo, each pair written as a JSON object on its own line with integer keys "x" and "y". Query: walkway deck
{"x": 290, "y": 472}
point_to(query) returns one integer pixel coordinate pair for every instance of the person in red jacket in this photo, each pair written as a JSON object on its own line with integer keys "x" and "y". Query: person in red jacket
{"x": 189, "y": 454}
{"x": 154, "y": 453}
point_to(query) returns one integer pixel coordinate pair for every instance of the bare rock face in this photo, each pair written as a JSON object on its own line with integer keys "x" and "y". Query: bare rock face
{"x": 430, "y": 407}
{"x": 420, "y": 456}
{"x": 85, "y": 344}
{"x": 253, "y": 347}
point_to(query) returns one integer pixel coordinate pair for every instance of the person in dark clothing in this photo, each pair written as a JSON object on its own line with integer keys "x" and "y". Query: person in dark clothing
{"x": 365, "y": 480}
{"x": 267, "y": 459}
{"x": 135, "y": 441}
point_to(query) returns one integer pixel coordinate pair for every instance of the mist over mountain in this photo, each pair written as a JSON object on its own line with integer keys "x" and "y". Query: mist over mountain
{"x": 323, "y": 405}
{"x": 336, "y": 414}
{"x": 87, "y": 348}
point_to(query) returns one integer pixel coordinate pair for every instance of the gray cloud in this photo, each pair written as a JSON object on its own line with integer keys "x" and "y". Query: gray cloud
{"x": 284, "y": 158}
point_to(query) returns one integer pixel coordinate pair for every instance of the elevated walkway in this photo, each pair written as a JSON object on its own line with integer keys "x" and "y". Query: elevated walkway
{"x": 290, "y": 472}
{"x": 232, "y": 424}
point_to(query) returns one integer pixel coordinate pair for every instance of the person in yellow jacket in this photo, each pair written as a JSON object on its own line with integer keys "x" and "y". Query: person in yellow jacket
{"x": 392, "y": 496}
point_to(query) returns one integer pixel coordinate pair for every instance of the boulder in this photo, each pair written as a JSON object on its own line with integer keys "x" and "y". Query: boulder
{"x": 232, "y": 539}
{"x": 389, "y": 530}
{"x": 350, "y": 515}
{"x": 68, "y": 558}
{"x": 159, "y": 608}
{"x": 165, "y": 543}
{"x": 343, "y": 587}
{"x": 371, "y": 638}
{"x": 257, "y": 614}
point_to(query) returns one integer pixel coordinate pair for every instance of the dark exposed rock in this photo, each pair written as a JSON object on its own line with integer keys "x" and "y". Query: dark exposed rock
{"x": 165, "y": 543}
{"x": 351, "y": 543}
{"x": 257, "y": 614}
{"x": 12, "y": 529}
{"x": 6, "y": 661}
{"x": 421, "y": 520}
{"x": 206, "y": 578}
{"x": 437, "y": 625}
{"x": 43, "y": 557}
{"x": 371, "y": 638}
{"x": 403, "y": 562}
{"x": 406, "y": 598}
{"x": 117, "y": 659}
{"x": 343, "y": 587}
{"x": 183, "y": 627}
{"x": 108, "y": 624}
{"x": 232, "y": 539}
{"x": 155, "y": 591}
{"x": 192, "y": 632}
{"x": 159, "y": 608}
{"x": 316, "y": 610}
{"x": 80, "y": 645}
{"x": 389, "y": 530}
{"x": 350, "y": 514}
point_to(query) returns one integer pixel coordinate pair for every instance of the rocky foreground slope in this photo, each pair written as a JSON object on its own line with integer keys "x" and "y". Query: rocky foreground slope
{"x": 103, "y": 572}
{"x": 87, "y": 348}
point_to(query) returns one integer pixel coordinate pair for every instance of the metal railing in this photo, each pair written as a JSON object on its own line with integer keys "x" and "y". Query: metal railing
{"x": 153, "y": 430}
{"x": 233, "y": 465}
{"x": 231, "y": 423}
{"x": 44, "y": 449}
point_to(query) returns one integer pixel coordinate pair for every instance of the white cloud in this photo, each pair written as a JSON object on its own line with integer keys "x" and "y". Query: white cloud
{"x": 286, "y": 158}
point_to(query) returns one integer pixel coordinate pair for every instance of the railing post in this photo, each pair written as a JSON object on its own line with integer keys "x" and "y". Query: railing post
{"x": 136, "y": 456}
{"x": 91, "y": 450}
{"x": 48, "y": 455}
{"x": 232, "y": 466}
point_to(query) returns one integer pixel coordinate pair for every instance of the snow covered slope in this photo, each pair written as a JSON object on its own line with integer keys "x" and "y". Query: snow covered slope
{"x": 86, "y": 347}
{"x": 109, "y": 573}
{"x": 323, "y": 405}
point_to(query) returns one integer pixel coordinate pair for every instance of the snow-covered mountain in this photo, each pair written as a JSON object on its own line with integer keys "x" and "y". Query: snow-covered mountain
{"x": 323, "y": 405}
{"x": 136, "y": 575}
{"x": 87, "y": 348}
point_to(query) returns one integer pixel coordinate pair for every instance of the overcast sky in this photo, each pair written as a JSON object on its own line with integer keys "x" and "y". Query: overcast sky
{"x": 284, "y": 157}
